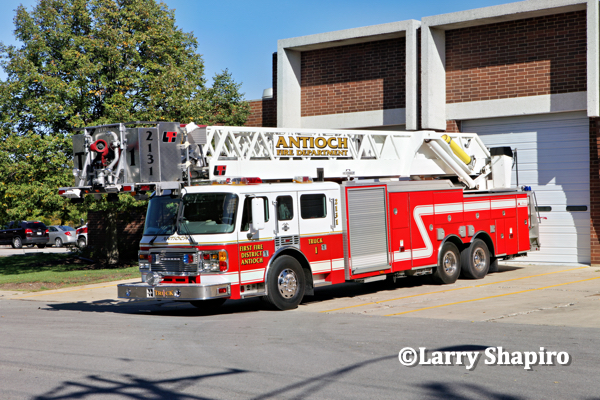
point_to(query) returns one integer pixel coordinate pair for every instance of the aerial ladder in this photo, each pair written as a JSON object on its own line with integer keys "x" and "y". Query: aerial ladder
{"x": 119, "y": 158}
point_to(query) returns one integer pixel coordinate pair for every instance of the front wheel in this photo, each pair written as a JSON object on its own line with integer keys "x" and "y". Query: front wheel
{"x": 448, "y": 268}
{"x": 286, "y": 283}
{"x": 17, "y": 243}
{"x": 475, "y": 260}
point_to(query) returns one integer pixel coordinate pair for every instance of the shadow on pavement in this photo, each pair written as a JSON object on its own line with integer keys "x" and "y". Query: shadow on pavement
{"x": 185, "y": 309}
{"x": 132, "y": 387}
{"x": 128, "y": 386}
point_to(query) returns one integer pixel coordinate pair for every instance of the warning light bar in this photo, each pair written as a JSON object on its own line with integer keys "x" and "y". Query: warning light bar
{"x": 303, "y": 179}
{"x": 237, "y": 181}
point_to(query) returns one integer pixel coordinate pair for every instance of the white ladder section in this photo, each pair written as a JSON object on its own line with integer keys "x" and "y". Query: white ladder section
{"x": 279, "y": 153}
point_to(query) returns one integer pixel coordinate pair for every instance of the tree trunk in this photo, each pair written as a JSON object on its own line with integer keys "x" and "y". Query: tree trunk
{"x": 112, "y": 244}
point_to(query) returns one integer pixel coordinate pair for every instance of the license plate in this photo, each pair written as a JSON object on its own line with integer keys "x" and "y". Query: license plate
{"x": 39, "y": 233}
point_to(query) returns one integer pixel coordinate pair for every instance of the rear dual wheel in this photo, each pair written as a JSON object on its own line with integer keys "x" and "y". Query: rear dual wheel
{"x": 448, "y": 268}
{"x": 475, "y": 260}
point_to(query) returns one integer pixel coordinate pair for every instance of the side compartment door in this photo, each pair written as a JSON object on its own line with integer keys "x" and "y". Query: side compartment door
{"x": 500, "y": 240}
{"x": 523, "y": 222}
{"x": 422, "y": 229}
{"x": 400, "y": 228}
{"x": 367, "y": 229}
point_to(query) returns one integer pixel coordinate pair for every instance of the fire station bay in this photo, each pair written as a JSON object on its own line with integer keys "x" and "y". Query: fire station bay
{"x": 524, "y": 75}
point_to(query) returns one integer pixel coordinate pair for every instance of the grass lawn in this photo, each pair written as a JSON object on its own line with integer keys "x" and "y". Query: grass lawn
{"x": 53, "y": 271}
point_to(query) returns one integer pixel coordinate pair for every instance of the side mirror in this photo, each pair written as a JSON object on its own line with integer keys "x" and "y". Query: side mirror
{"x": 258, "y": 214}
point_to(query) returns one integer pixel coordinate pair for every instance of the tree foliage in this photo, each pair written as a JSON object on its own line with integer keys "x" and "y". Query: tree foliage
{"x": 92, "y": 62}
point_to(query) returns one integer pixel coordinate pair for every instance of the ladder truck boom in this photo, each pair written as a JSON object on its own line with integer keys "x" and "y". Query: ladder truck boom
{"x": 116, "y": 158}
{"x": 238, "y": 212}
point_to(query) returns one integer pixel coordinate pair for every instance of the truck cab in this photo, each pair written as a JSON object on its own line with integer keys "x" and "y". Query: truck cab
{"x": 220, "y": 241}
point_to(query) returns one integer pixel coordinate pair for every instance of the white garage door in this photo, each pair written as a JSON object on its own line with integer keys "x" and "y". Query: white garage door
{"x": 553, "y": 158}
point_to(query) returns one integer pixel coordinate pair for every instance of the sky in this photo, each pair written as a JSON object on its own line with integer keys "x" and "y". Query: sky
{"x": 241, "y": 35}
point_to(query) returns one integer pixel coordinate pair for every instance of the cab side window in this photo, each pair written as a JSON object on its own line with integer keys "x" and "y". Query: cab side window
{"x": 285, "y": 208}
{"x": 247, "y": 213}
{"x": 313, "y": 206}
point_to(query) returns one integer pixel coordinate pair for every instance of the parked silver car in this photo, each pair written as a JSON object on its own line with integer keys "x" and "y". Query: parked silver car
{"x": 61, "y": 235}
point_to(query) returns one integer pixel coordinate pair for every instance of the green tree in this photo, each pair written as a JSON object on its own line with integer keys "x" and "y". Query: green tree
{"x": 32, "y": 167}
{"x": 93, "y": 62}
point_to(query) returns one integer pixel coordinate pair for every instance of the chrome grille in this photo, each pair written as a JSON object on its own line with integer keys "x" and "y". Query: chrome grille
{"x": 171, "y": 262}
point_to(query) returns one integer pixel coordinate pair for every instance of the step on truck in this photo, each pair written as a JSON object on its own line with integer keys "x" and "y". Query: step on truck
{"x": 238, "y": 212}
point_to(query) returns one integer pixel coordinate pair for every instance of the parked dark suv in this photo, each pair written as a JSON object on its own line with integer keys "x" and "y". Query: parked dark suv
{"x": 19, "y": 233}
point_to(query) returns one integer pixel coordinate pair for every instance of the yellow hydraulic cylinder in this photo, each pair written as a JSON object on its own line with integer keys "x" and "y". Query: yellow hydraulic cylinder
{"x": 460, "y": 153}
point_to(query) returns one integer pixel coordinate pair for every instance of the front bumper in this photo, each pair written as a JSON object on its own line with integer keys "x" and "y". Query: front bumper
{"x": 144, "y": 291}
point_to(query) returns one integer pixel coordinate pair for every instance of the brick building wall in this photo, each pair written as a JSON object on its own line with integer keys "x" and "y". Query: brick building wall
{"x": 529, "y": 57}
{"x": 353, "y": 78}
{"x": 595, "y": 190}
{"x": 130, "y": 226}
{"x": 264, "y": 112}
{"x": 453, "y": 126}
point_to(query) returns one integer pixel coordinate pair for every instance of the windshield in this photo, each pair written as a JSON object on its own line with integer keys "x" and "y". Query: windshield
{"x": 208, "y": 213}
{"x": 161, "y": 216}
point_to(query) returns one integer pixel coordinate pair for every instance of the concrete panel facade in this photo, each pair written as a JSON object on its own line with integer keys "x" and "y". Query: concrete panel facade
{"x": 526, "y": 49}
{"x": 349, "y": 72}
{"x": 527, "y": 57}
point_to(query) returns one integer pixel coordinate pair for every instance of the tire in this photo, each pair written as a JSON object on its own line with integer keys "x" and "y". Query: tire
{"x": 286, "y": 283}
{"x": 17, "y": 242}
{"x": 58, "y": 242}
{"x": 208, "y": 306}
{"x": 475, "y": 260}
{"x": 81, "y": 243}
{"x": 448, "y": 268}
{"x": 41, "y": 246}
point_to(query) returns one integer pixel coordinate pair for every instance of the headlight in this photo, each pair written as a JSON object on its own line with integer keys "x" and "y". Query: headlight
{"x": 144, "y": 260}
{"x": 153, "y": 278}
{"x": 214, "y": 261}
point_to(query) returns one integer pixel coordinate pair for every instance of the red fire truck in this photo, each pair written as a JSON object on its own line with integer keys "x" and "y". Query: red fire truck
{"x": 241, "y": 212}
